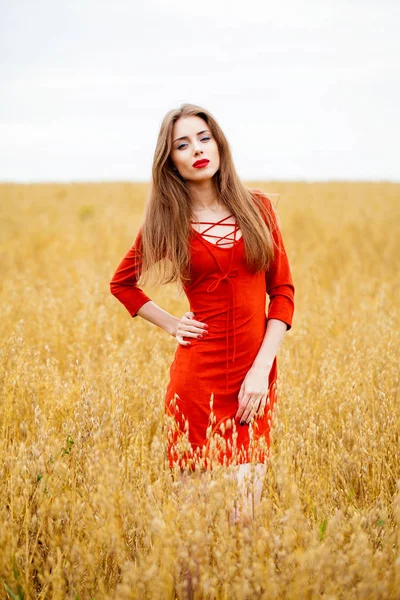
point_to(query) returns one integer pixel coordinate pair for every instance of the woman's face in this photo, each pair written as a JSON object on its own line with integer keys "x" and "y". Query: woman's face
{"x": 192, "y": 141}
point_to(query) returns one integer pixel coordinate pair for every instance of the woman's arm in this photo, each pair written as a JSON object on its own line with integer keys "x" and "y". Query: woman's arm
{"x": 160, "y": 317}
{"x": 278, "y": 278}
{"x": 280, "y": 289}
{"x": 274, "y": 334}
{"x": 124, "y": 286}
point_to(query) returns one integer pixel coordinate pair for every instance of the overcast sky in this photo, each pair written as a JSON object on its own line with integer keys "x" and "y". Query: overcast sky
{"x": 303, "y": 90}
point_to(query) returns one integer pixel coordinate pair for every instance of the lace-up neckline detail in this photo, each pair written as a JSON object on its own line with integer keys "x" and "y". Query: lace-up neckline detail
{"x": 227, "y": 241}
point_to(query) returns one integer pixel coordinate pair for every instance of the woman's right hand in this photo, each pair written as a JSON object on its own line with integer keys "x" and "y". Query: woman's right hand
{"x": 189, "y": 327}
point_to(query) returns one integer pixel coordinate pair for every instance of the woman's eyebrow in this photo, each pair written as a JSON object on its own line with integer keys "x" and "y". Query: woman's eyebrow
{"x": 185, "y": 137}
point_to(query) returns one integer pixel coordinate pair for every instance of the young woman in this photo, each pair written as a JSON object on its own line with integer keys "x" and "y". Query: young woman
{"x": 203, "y": 228}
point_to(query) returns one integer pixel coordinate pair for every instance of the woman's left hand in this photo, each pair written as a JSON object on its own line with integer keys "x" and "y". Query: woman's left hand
{"x": 253, "y": 394}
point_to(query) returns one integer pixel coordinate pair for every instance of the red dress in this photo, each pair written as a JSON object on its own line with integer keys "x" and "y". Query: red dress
{"x": 201, "y": 399}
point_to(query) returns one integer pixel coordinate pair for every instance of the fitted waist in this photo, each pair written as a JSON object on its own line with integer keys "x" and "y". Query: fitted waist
{"x": 217, "y": 321}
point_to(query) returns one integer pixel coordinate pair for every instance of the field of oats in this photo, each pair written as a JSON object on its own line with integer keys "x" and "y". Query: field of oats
{"x": 89, "y": 509}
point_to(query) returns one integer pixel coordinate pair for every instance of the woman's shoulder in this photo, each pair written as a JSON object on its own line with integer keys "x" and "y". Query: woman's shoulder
{"x": 259, "y": 193}
{"x": 265, "y": 200}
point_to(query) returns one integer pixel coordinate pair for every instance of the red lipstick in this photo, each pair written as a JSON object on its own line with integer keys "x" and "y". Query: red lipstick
{"x": 200, "y": 163}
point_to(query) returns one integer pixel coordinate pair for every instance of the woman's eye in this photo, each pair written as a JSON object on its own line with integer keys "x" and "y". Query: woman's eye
{"x": 203, "y": 139}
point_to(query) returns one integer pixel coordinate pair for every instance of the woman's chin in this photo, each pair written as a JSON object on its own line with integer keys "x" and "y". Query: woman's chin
{"x": 204, "y": 175}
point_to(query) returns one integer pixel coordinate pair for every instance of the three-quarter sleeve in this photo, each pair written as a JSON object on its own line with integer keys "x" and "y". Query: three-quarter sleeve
{"x": 278, "y": 277}
{"x": 124, "y": 282}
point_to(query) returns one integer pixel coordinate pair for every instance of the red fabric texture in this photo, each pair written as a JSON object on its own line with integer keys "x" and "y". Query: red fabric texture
{"x": 201, "y": 398}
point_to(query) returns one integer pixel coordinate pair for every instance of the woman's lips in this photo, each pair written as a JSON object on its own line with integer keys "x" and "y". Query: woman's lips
{"x": 200, "y": 163}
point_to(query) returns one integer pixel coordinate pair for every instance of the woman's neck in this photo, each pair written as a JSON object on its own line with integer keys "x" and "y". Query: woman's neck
{"x": 204, "y": 196}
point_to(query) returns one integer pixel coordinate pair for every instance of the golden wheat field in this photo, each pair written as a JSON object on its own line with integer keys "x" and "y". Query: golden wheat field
{"x": 89, "y": 509}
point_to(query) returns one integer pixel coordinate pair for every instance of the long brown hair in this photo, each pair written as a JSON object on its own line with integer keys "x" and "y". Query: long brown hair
{"x": 166, "y": 225}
